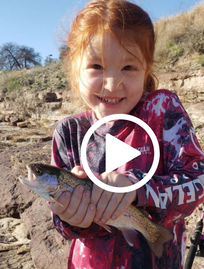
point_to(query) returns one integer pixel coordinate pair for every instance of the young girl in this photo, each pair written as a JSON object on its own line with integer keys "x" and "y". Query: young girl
{"x": 111, "y": 53}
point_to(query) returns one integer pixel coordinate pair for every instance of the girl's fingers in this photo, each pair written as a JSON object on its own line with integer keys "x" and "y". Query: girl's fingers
{"x": 101, "y": 197}
{"x": 97, "y": 191}
{"x": 74, "y": 203}
{"x": 127, "y": 199}
{"x": 112, "y": 206}
{"x": 102, "y": 204}
{"x": 63, "y": 202}
{"x": 79, "y": 215}
{"x": 85, "y": 213}
{"x": 115, "y": 204}
{"x": 89, "y": 216}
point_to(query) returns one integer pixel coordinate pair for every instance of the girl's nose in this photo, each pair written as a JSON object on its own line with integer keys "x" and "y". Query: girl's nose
{"x": 113, "y": 83}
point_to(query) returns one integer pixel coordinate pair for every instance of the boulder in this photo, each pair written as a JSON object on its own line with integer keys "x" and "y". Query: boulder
{"x": 38, "y": 245}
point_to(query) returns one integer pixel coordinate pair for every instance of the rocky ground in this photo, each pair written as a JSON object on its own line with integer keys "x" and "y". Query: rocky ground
{"x": 27, "y": 236}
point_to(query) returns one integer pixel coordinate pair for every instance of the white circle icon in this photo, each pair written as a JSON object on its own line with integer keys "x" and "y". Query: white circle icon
{"x": 147, "y": 176}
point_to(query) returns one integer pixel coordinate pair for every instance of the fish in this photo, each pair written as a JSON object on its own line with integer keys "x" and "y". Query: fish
{"x": 50, "y": 182}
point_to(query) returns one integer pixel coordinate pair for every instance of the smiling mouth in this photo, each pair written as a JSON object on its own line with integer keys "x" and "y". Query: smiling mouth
{"x": 111, "y": 101}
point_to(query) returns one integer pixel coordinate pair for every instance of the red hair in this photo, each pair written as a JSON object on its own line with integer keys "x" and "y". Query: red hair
{"x": 125, "y": 21}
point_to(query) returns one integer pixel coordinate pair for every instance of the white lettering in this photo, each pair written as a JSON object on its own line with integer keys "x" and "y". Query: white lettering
{"x": 169, "y": 192}
{"x": 151, "y": 192}
{"x": 161, "y": 198}
{"x": 191, "y": 192}
{"x": 181, "y": 194}
{"x": 197, "y": 182}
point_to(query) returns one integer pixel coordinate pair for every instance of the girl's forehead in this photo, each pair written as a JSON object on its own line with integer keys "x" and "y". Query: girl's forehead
{"x": 99, "y": 45}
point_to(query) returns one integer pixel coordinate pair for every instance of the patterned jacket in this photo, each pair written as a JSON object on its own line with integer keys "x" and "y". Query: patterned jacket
{"x": 174, "y": 191}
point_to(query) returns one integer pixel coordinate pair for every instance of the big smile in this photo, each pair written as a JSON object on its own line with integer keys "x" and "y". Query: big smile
{"x": 111, "y": 100}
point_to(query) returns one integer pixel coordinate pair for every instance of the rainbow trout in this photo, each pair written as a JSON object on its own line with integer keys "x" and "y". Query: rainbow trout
{"x": 50, "y": 182}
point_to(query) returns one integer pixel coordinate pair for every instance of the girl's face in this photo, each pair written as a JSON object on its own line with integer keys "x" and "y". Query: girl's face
{"x": 113, "y": 83}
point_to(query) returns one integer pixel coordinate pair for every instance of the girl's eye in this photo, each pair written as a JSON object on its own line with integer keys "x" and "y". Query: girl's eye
{"x": 97, "y": 66}
{"x": 129, "y": 68}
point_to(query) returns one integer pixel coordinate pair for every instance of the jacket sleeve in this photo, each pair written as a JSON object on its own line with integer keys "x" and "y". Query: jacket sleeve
{"x": 174, "y": 194}
{"x": 62, "y": 157}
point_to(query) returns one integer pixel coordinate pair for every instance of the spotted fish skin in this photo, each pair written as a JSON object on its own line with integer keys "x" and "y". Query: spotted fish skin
{"x": 50, "y": 182}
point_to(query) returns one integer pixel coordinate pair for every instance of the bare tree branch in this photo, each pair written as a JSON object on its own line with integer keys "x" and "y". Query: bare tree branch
{"x": 13, "y": 56}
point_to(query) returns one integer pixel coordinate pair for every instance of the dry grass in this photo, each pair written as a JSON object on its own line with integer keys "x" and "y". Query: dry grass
{"x": 181, "y": 36}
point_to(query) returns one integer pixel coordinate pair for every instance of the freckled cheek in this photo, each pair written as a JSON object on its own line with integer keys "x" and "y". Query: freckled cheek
{"x": 135, "y": 84}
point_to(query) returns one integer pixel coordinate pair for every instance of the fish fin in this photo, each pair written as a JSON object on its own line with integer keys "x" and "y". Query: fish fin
{"x": 105, "y": 226}
{"x": 130, "y": 235}
{"x": 54, "y": 200}
{"x": 157, "y": 246}
{"x": 144, "y": 212}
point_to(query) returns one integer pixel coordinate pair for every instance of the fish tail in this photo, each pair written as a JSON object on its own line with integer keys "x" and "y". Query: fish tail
{"x": 157, "y": 246}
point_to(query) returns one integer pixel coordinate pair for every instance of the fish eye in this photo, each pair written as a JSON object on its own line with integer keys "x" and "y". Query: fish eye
{"x": 38, "y": 171}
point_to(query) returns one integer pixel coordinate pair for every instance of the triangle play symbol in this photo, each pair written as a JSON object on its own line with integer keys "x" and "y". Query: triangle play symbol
{"x": 118, "y": 153}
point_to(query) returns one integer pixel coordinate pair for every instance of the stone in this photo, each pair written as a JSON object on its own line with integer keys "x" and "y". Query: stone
{"x": 188, "y": 85}
{"x": 43, "y": 236}
{"x": 53, "y": 106}
{"x": 23, "y": 124}
{"x": 26, "y": 228}
{"x": 48, "y": 97}
{"x": 14, "y": 120}
{"x": 13, "y": 242}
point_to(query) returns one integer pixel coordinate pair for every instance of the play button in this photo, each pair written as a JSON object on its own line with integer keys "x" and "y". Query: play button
{"x": 118, "y": 153}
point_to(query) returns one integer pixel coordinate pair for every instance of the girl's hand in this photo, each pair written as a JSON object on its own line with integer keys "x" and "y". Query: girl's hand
{"x": 77, "y": 208}
{"x": 108, "y": 204}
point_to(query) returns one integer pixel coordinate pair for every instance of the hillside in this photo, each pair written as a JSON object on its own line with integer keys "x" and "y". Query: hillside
{"x": 179, "y": 47}
{"x": 180, "y": 40}
{"x": 31, "y": 103}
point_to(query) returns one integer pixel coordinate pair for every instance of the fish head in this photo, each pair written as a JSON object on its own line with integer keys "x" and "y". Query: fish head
{"x": 42, "y": 180}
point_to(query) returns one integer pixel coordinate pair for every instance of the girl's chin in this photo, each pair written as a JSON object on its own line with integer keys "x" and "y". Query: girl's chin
{"x": 102, "y": 114}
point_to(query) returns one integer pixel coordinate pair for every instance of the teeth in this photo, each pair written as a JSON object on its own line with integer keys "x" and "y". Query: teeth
{"x": 111, "y": 101}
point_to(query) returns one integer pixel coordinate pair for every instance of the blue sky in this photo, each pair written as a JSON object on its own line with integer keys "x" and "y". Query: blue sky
{"x": 39, "y": 23}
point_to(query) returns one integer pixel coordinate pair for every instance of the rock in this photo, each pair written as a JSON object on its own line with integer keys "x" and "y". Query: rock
{"x": 39, "y": 245}
{"x": 46, "y": 138}
{"x": 33, "y": 123}
{"x": 53, "y": 106}
{"x": 7, "y": 118}
{"x": 187, "y": 84}
{"x": 44, "y": 237}
{"x": 23, "y": 124}
{"x": 14, "y": 242}
{"x": 14, "y": 120}
{"x": 2, "y": 105}
{"x": 31, "y": 81}
{"x": 48, "y": 97}
{"x": 22, "y": 250}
